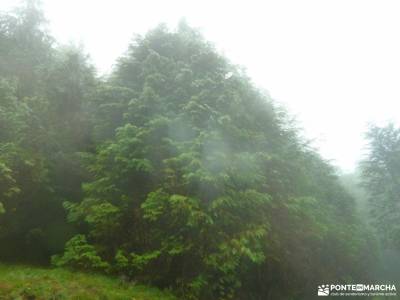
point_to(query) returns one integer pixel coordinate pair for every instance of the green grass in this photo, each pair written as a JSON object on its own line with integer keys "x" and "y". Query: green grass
{"x": 31, "y": 283}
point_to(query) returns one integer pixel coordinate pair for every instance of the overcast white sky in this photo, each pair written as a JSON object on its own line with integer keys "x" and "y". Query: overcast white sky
{"x": 335, "y": 64}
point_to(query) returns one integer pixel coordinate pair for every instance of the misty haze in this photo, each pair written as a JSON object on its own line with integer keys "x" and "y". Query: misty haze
{"x": 207, "y": 150}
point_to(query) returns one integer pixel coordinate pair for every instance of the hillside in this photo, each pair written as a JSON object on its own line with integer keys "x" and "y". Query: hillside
{"x": 20, "y": 282}
{"x": 175, "y": 170}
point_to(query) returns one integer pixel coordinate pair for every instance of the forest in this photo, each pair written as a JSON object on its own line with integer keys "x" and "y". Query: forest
{"x": 175, "y": 173}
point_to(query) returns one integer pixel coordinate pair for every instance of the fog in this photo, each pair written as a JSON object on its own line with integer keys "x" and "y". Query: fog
{"x": 334, "y": 64}
{"x": 146, "y": 154}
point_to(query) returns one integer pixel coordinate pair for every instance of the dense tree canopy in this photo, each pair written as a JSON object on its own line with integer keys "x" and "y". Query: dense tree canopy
{"x": 43, "y": 124}
{"x": 381, "y": 178}
{"x": 175, "y": 170}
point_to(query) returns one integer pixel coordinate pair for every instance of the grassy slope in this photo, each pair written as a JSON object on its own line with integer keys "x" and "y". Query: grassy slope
{"x": 20, "y": 282}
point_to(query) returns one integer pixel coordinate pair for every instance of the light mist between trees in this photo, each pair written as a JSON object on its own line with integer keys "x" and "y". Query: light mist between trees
{"x": 174, "y": 171}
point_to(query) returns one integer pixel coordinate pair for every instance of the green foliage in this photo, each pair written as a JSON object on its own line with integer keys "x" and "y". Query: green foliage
{"x": 200, "y": 183}
{"x": 43, "y": 124}
{"x": 20, "y": 282}
{"x": 175, "y": 171}
{"x": 25, "y": 47}
{"x": 381, "y": 179}
{"x": 80, "y": 255}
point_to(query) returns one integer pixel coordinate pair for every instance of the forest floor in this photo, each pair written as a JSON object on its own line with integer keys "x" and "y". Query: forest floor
{"x": 32, "y": 283}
